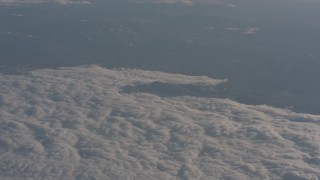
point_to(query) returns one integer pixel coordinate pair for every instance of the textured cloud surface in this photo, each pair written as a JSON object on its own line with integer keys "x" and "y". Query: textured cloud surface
{"x": 77, "y": 123}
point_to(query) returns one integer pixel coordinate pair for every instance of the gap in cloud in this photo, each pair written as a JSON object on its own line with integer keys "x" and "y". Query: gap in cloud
{"x": 172, "y": 90}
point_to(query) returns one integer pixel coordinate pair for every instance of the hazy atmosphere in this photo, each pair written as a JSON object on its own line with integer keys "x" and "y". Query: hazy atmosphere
{"x": 160, "y": 89}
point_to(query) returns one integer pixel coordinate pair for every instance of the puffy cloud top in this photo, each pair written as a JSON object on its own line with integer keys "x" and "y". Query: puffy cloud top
{"x": 77, "y": 123}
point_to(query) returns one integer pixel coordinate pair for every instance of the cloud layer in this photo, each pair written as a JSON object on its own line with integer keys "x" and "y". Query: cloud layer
{"x": 77, "y": 123}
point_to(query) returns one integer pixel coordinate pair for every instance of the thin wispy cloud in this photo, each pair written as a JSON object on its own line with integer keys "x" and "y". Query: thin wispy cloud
{"x": 188, "y": 2}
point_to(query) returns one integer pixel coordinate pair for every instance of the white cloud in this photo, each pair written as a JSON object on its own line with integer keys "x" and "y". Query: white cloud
{"x": 18, "y": 15}
{"x": 250, "y": 31}
{"x": 188, "y": 2}
{"x": 71, "y": 1}
{"x": 76, "y": 123}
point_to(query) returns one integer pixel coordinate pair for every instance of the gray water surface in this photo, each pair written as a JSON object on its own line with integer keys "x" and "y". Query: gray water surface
{"x": 268, "y": 51}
